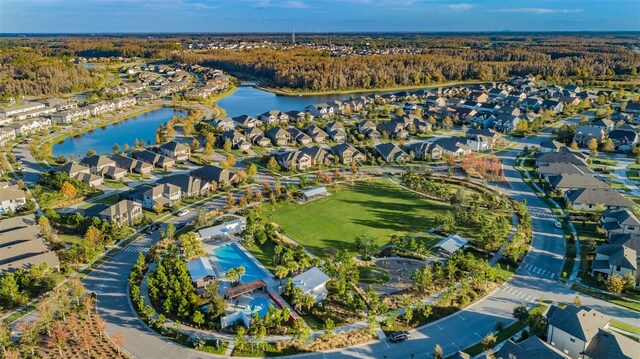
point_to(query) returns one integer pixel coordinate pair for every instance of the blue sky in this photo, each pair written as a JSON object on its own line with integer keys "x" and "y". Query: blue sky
{"x": 316, "y": 15}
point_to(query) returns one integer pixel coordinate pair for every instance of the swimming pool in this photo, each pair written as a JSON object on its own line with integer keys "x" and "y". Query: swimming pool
{"x": 231, "y": 256}
{"x": 260, "y": 306}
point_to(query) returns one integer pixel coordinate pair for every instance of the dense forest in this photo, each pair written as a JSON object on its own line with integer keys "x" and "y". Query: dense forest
{"x": 307, "y": 69}
{"x": 27, "y": 72}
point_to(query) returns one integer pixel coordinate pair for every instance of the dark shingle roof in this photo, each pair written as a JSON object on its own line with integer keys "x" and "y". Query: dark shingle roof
{"x": 611, "y": 345}
{"x": 531, "y": 348}
{"x": 580, "y": 322}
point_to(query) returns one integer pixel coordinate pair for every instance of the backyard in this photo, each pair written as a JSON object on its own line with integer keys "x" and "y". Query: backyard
{"x": 379, "y": 209}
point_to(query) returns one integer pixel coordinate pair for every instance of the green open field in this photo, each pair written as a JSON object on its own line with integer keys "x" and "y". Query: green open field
{"x": 379, "y": 209}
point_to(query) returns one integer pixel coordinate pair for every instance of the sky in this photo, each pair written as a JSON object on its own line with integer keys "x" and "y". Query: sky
{"x": 124, "y": 16}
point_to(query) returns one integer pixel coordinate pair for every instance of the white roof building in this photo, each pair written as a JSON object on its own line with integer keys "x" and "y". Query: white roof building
{"x": 228, "y": 228}
{"x": 313, "y": 282}
{"x": 311, "y": 193}
{"x": 200, "y": 268}
{"x": 451, "y": 243}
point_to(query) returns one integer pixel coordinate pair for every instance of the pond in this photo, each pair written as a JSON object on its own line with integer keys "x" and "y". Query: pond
{"x": 252, "y": 101}
{"x": 102, "y": 139}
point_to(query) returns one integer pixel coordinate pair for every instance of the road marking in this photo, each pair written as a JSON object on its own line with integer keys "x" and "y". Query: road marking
{"x": 459, "y": 316}
{"x": 528, "y": 298}
{"x": 523, "y": 294}
{"x": 552, "y": 275}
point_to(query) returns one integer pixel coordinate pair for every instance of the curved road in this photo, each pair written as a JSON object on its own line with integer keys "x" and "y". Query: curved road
{"x": 536, "y": 278}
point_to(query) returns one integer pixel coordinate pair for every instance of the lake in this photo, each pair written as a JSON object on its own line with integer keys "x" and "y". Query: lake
{"x": 102, "y": 139}
{"x": 251, "y": 101}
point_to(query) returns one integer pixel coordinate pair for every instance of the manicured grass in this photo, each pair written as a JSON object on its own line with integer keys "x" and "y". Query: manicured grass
{"x": 603, "y": 161}
{"x": 633, "y": 175}
{"x": 624, "y": 326}
{"x": 264, "y": 253}
{"x": 110, "y": 200}
{"x": 374, "y": 275}
{"x": 114, "y": 184}
{"x": 379, "y": 209}
{"x": 619, "y": 186}
{"x": 609, "y": 298}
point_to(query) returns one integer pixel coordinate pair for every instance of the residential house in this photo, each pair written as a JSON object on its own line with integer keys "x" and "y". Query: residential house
{"x": 584, "y": 135}
{"x": 588, "y": 199}
{"x": 131, "y": 165}
{"x": 14, "y": 110}
{"x": 318, "y": 155}
{"x": 337, "y": 131}
{"x": 22, "y": 246}
{"x": 506, "y": 122}
{"x": 569, "y": 100}
{"x": 633, "y": 107}
{"x": 12, "y": 198}
{"x": 223, "y": 124}
{"x": 236, "y": 138}
{"x": 124, "y": 212}
{"x": 299, "y": 137}
{"x": 322, "y": 110}
{"x": 482, "y": 139}
{"x": 483, "y": 120}
{"x": 156, "y": 159}
{"x": 162, "y": 195}
{"x": 179, "y": 152}
{"x": 552, "y": 105}
{"x": 453, "y": 146}
{"x": 317, "y": 134}
{"x": 426, "y": 151}
{"x": 392, "y": 153}
{"x": 611, "y": 345}
{"x": 81, "y": 173}
{"x": 614, "y": 259}
{"x": 294, "y": 160}
{"x": 313, "y": 283}
{"x": 347, "y": 153}
{"x": 564, "y": 182}
{"x": 571, "y": 329}
{"x": 624, "y": 140}
{"x": 550, "y": 146}
{"x": 274, "y": 117}
{"x": 245, "y": 121}
{"x": 278, "y": 136}
{"x": 563, "y": 155}
{"x": 606, "y": 124}
{"x": 554, "y": 169}
{"x": 394, "y": 130}
{"x": 619, "y": 221}
{"x": 190, "y": 186}
{"x": 368, "y": 129}
{"x": 99, "y": 164}
{"x": 215, "y": 174}
{"x": 530, "y": 348}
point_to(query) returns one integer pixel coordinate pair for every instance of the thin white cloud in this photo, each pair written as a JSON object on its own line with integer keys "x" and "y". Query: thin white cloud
{"x": 460, "y": 7}
{"x": 291, "y": 4}
{"x": 539, "y": 10}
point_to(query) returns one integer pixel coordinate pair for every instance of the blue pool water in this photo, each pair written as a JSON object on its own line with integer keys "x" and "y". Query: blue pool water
{"x": 231, "y": 256}
{"x": 260, "y": 306}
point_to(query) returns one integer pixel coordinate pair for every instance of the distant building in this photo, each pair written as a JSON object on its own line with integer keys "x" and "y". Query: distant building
{"x": 313, "y": 282}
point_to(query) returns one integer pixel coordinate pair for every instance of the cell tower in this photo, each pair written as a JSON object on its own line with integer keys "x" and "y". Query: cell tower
{"x": 293, "y": 37}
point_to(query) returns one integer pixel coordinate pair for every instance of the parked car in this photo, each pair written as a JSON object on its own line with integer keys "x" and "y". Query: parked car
{"x": 598, "y": 169}
{"x": 557, "y": 224}
{"x": 184, "y": 212}
{"x": 399, "y": 336}
{"x": 605, "y": 172}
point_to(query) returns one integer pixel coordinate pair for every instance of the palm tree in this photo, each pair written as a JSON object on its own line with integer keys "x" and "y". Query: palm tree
{"x": 232, "y": 275}
{"x": 241, "y": 271}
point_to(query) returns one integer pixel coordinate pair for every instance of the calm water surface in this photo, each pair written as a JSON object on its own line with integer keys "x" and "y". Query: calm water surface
{"x": 102, "y": 139}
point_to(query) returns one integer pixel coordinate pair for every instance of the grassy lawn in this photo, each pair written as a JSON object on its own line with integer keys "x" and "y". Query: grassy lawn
{"x": 603, "y": 161}
{"x": 374, "y": 275}
{"x": 110, "y": 200}
{"x": 624, "y": 326}
{"x": 379, "y": 209}
{"x": 615, "y": 300}
{"x": 114, "y": 184}
{"x": 619, "y": 186}
{"x": 264, "y": 253}
{"x": 633, "y": 175}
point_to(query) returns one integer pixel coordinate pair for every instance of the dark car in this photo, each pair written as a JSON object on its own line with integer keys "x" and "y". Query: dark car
{"x": 397, "y": 337}
{"x": 605, "y": 172}
{"x": 598, "y": 169}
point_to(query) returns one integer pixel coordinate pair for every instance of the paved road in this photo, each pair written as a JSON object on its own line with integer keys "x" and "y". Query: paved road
{"x": 31, "y": 167}
{"x": 536, "y": 278}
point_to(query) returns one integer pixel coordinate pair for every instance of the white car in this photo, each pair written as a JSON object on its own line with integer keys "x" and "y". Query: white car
{"x": 557, "y": 224}
{"x": 184, "y": 212}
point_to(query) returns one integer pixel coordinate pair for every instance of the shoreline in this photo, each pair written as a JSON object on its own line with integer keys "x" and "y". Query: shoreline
{"x": 280, "y": 92}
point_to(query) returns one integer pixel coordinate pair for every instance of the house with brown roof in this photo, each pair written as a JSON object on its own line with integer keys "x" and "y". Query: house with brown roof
{"x": 216, "y": 175}
{"x": 81, "y": 173}
{"x": 190, "y": 186}
{"x": 392, "y": 153}
{"x": 278, "y": 136}
{"x": 588, "y": 199}
{"x": 294, "y": 160}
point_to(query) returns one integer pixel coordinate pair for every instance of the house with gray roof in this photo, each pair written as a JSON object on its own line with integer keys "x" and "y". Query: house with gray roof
{"x": 190, "y": 186}
{"x": 337, "y": 131}
{"x": 347, "y": 153}
{"x": 392, "y": 153}
{"x": 98, "y": 164}
{"x": 318, "y": 155}
{"x": 426, "y": 151}
{"x": 317, "y": 134}
{"x": 530, "y": 348}
{"x": 614, "y": 259}
{"x": 615, "y": 221}
{"x": 132, "y": 165}
{"x": 299, "y": 137}
{"x": 246, "y": 121}
{"x": 12, "y": 198}
{"x": 588, "y": 199}
{"x": 313, "y": 282}
{"x": 278, "y": 136}
{"x": 564, "y": 155}
{"x": 456, "y": 146}
{"x": 584, "y": 135}
{"x": 215, "y": 174}
{"x": 555, "y": 169}
{"x": 570, "y": 330}
{"x": 624, "y": 140}
{"x": 294, "y": 160}
{"x": 155, "y": 159}
{"x": 177, "y": 151}
{"x": 125, "y": 212}
{"x": 550, "y": 146}
{"x": 201, "y": 272}
{"x": 565, "y": 182}
{"x": 608, "y": 344}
